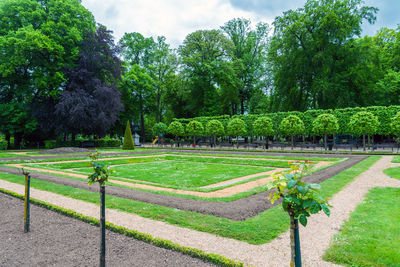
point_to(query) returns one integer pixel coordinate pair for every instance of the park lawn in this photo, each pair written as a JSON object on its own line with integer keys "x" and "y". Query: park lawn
{"x": 11, "y": 155}
{"x": 396, "y": 159}
{"x": 181, "y": 173}
{"x": 259, "y": 156}
{"x": 371, "y": 237}
{"x": 393, "y": 172}
{"x": 259, "y": 229}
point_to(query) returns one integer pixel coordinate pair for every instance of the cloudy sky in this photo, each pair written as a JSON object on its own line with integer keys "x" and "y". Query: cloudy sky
{"x": 176, "y": 18}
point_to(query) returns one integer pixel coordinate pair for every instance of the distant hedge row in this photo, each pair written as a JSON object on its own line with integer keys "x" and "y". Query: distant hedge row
{"x": 384, "y": 114}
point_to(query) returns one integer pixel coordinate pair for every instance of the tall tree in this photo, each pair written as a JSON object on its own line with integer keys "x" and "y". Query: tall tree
{"x": 312, "y": 53}
{"x": 202, "y": 54}
{"x": 249, "y": 55}
{"x": 40, "y": 39}
{"x": 91, "y": 101}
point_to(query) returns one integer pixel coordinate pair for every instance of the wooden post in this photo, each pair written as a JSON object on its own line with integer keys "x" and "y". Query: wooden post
{"x": 27, "y": 209}
{"x": 102, "y": 227}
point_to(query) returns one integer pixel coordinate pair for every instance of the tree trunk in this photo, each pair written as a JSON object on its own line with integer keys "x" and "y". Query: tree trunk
{"x": 325, "y": 141}
{"x": 237, "y": 142}
{"x": 292, "y": 141}
{"x": 158, "y": 105}
{"x": 194, "y": 140}
{"x": 102, "y": 226}
{"x": 215, "y": 141}
{"x": 8, "y": 137}
{"x": 295, "y": 259}
{"x": 369, "y": 142}
{"x": 364, "y": 141}
{"x": 265, "y": 142}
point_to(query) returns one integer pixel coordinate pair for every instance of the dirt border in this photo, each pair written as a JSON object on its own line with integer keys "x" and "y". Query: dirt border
{"x": 237, "y": 210}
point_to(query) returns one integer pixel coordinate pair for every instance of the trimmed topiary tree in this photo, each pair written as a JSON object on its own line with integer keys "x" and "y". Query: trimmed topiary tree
{"x": 128, "y": 139}
{"x": 215, "y": 128}
{"x": 364, "y": 123}
{"x": 176, "y": 128}
{"x": 291, "y": 126}
{"x": 264, "y": 127}
{"x": 299, "y": 200}
{"x": 236, "y": 127}
{"x": 194, "y": 128}
{"x": 159, "y": 129}
{"x": 325, "y": 124}
{"x": 395, "y": 128}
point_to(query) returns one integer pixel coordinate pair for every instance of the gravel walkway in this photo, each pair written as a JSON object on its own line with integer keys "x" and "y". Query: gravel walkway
{"x": 57, "y": 240}
{"x": 240, "y": 209}
{"x": 315, "y": 238}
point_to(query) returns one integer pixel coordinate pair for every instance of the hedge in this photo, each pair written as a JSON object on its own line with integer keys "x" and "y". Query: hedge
{"x": 3, "y": 144}
{"x": 384, "y": 114}
{"x": 198, "y": 253}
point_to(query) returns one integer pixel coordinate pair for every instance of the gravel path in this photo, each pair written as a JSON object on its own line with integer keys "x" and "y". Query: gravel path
{"x": 57, "y": 240}
{"x": 315, "y": 238}
{"x": 240, "y": 209}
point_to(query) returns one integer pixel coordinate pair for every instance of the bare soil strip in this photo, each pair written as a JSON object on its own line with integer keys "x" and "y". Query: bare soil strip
{"x": 57, "y": 240}
{"x": 315, "y": 238}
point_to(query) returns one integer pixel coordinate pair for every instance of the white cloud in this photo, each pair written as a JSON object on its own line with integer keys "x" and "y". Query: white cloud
{"x": 172, "y": 18}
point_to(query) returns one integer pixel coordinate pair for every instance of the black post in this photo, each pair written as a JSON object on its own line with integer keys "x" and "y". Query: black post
{"x": 297, "y": 259}
{"x": 102, "y": 226}
{"x": 27, "y": 210}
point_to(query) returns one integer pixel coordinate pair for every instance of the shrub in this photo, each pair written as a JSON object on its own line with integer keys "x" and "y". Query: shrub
{"x": 214, "y": 128}
{"x": 236, "y": 127}
{"x": 364, "y": 123}
{"x": 128, "y": 139}
{"x": 49, "y": 144}
{"x": 176, "y": 128}
{"x": 291, "y": 126}
{"x": 159, "y": 129}
{"x": 3, "y": 144}
{"x": 263, "y": 127}
{"x": 194, "y": 128}
{"x": 325, "y": 124}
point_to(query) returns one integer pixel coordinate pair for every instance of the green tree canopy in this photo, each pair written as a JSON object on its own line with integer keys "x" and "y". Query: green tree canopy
{"x": 325, "y": 124}
{"x": 364, "y": 123}
{"x": 263, "y": 126}
{"x": 194, "y": 128}
{"x": 176, "y": 128}
{"x": 159, "y": 128}
{"x": 215, "y": 128}
{"x": 291, "y": 126}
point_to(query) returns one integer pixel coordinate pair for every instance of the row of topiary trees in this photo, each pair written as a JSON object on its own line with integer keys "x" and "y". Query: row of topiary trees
{"x": 363, "y": 124}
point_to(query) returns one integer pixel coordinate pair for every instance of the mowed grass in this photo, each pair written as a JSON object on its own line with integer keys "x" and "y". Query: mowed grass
{"x": 396, "y": 159}
{"x": 393, "y": 172}
{"x": 372, "y": 235}
{"x": 182, "y": 173}
{"x": 259, "y": 229}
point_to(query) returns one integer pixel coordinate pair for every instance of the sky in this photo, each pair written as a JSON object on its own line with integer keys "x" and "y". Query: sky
{"x": 175, "y": 19}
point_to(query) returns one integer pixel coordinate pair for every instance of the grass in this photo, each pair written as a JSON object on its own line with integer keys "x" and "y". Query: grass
{"x": 262, "y": 228}
{"x": 180, "y": 173}
{"x": 371, "y": 237}
{"x": 393, "y": 172}
{"x": 396, "y": 159}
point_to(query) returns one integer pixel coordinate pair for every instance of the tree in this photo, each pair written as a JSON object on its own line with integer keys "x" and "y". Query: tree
{"x": 194, "y": 128}
{"x": 325, "y": 124}
{"x": 91, "y": 101}
{"x": 100, "y": 175}
{"x": 128, "y": 139}
{"x": 236, "y": 127}
{"x": 137, "y": 52}
{"x": 38, "y": 40}
{"x": 312, "y": 55}
{"x": 299, "y": 200}
{"x": 176, "y": 128}
{"x": 202, "y": 53}
{"x": 248, "y": 54}
{"x": 215, "y": 128}
{"x": 395, "y": 125}
{"x": 263, "y": 126}
{"x": 159, "y": 129}
{"x": 291, "y": 126}
{"x": 363, "y": 123}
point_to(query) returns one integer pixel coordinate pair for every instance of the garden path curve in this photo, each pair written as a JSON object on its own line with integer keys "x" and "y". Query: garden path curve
{"x": 315, "y": 237}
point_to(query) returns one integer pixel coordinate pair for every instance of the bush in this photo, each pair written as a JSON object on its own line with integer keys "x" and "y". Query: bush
{"x": 108, "y": 142}
{"x": 3, "y": 144}
{"x": 128, "y": 139}
{"x": 49, "y": 144}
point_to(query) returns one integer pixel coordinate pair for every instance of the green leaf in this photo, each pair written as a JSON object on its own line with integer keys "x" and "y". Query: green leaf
{"x": 303, "y": 220}
{"x": 291, "y": 184}
{"x": 326, "y": 209}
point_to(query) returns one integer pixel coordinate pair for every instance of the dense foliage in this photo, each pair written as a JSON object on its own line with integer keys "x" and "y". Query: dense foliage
{"x": 176, "y": 128}
{"x": 364, "y": 123}
{"x": 61, "y": 75}
{"x": 292, "y": 125}
{"x": 325, "y": 124}
{"x": 128, "y": 139}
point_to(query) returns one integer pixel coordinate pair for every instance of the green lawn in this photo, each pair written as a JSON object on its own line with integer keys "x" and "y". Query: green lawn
{"x": 393, "y": 172}
{"x": 181, "y": 173}
{"x": 372, "y": 235}
{"x": 396, "y": 159}
{"x": 256, "y": 230}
